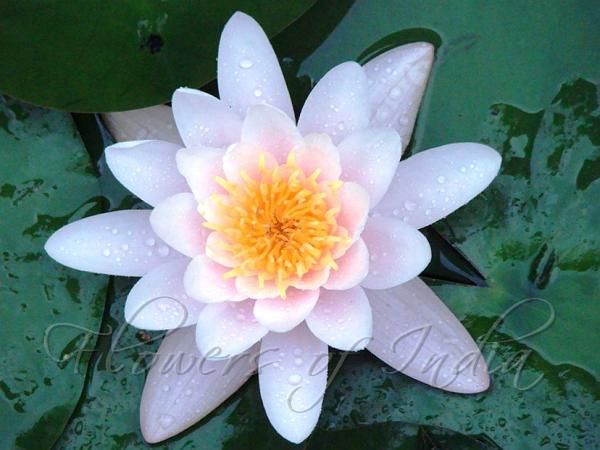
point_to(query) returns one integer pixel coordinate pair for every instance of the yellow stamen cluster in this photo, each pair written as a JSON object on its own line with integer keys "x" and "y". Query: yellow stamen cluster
{"x": 278, "y": 225}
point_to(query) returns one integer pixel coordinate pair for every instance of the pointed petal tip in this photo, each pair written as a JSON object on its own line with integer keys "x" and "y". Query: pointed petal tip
{"x": 178, "y": 395}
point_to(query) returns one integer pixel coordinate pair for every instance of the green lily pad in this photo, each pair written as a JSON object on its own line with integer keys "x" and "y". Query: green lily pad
{"x": 93, "y": 55}
{"x": 50, "y": 314}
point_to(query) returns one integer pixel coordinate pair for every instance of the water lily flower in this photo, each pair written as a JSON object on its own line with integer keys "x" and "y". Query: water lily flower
{"x": 283, "y": 237}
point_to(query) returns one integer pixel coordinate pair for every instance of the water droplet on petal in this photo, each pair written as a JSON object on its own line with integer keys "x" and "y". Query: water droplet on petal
{"x": 165, "y": 420}
{"x": 246, "y": 63}
{"x": 441, "y": 179}
{"x": 163, "y": 251}
{"x": 295, "y": 379}
{"x": 410, "y": 206}
{"x": 150, "y": 242}
{"x": 106, "y": 252}
{"x": 258, "y": 92}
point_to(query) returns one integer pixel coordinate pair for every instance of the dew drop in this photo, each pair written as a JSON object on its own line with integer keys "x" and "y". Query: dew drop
{"x": 106, "y": 252}
{"x": 295, "y": 379}
{"x": 124, "y": 247}
{"x": 396, "y": 212}
{"x": 246, "y": 63}
{"x": 163, "y": 251}
{"x": 165, "y": 420}
{"x": 150, "y": 242}
{"x": 298, "y": 361}
{"x": 441, "y": 179}
{"x": 409, "y": 206}
{"x": 166, "y": 388}
{"x": 258, "y": 92}
{"x": 463, "y": 169}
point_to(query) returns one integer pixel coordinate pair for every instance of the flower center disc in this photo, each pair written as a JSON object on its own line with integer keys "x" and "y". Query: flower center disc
{"x": 279, "y": 225}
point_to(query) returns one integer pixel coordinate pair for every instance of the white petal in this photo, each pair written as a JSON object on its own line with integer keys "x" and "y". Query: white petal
{"x": 158, "y": 300}
{"x": 338, "y": 105}
{"x": 431, "y": 184}
{"x": 313, "y": 279}
{"x": 398, "y": 252}
{"x": 216, "y": 249}
{"x": 353, "y": 267}
{"x": 243, "y": 157}
{"x": 200, "y": 167}
{"x": 177, "y": 221}
{"x": 250, "y": 287}
{"x": 280, "y": 315}
{"x": 292, "y": 379}
{"x": 354, "y": 200}
{"x": 203, "y": 120}
{"x": 147, "y": 168}
{"x": 114, "y": 243}
{"x": 397, "y": 80}
{"x": 155, "y": 122}
{"x": 227, "y": 329}
{"x": 342, "y": 319}
{"x": 415, "y": 333}
{"x": 270, "y": 130}
{"x": 205, "y": 282}
{"x": 319, "y": 153}
{"x": 248, "y": 71}
{"x": 183, "y": 387}
{"x": 370, "y": 158}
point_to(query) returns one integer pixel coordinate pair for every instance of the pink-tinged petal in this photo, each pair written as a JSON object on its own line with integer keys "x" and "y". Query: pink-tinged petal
{"x": 342, "y": 319}
{"x": 177, "y": 221}
{"x": 115, "y": 243}
{"x": 398, "y": 252}
{"x": 339, "y": 103}
{"x": 244, "y": 157}
{"x": 431, "y": 184}
{"x": 158, "y": 300}
{"x": 415, "y": 333}
{"x": 204, "y": 281}
{"x": 270, "y": 130}
{"x": 248, "y": 72}
{"x": 354, "y": 200}
{"x": 353, "y": 267}
{"x": 370, "y": 158}
{"x": 397, "y": 80}
{"x": 155, "y": 122}
{"x": 227, "y": 329}
{"x": 203, "y": 120}
{"x": 183, "y": 387}
{"x": 216, "y": 249}
{"x": 249, "y": 287}
{"x": 313, "y": 279}
{"x": 319, "y": 153}
{"x": 292, "y": 380}
{"x": 147, "y": 168}
{"x": 282, "y": 314}
{"x": 200, "y": 167}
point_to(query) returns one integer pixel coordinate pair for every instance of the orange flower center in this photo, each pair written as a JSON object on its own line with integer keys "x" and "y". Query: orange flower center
{"x": 279, "y": 225}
